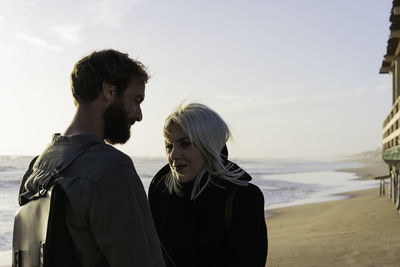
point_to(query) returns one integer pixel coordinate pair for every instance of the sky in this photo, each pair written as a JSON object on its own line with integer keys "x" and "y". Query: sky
{"x": 292, "y": 79}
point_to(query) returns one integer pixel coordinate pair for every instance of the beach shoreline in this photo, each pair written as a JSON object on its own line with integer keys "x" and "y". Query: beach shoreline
{"x": 361, "y": 230}
{"x": 369, "y": 169}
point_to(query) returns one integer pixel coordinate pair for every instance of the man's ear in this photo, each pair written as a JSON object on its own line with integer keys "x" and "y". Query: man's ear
{"x": 109, "y": 91}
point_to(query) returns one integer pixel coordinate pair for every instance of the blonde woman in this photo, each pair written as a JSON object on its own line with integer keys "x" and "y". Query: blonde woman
{"x": 206, "y": 211}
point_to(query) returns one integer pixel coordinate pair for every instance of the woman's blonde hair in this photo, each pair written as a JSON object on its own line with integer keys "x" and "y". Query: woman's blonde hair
{"x": 209, "y": 133}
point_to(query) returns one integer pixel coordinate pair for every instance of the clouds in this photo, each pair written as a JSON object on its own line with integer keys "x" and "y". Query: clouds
{"x": 109, "y": 12}
{"x": 65, "y": 34}
{"x": 384, "y": 87}
{"x": 27, "y": 3}
{"x": 37, "y": 42}
{"x": 61, "y": 26}
{"x": 251, "y": 101}
{"x": 240, "y": 102}
{"x": 353, "y": 93}
{"x": 337, "y": 95}
{"x": 68, "y": 32}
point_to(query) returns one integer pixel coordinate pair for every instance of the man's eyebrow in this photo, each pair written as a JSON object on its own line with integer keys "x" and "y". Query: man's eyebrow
{"x": 183, "y": 139}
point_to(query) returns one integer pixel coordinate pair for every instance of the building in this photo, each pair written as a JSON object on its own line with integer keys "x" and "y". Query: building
{"x": 391, "y": 130}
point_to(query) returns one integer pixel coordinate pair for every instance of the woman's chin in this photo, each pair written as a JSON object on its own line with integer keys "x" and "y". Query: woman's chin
{"x": 184, "y": 178}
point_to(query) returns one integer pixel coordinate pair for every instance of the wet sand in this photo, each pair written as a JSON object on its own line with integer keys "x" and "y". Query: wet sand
{"x": 5, "y": 258}
{"x": 363, "y": 230}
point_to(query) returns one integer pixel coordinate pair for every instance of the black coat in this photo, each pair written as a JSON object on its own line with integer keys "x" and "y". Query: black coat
{"x": 194, "y": 233}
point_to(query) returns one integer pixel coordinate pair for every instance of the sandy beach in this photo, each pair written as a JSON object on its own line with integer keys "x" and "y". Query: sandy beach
{"x": 363, "y": 230}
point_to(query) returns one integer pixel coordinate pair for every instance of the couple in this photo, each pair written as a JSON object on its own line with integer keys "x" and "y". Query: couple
{"x": 203, "y": 210}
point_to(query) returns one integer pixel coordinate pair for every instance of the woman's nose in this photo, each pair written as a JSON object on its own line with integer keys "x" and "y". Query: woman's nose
{"x": 175, "y": 153}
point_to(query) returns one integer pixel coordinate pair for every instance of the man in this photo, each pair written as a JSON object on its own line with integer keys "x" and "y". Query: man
{"x": 107, "y": 214}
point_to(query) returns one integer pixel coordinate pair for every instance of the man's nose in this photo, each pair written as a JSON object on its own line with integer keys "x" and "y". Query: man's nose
{"x": 139, "y": 115}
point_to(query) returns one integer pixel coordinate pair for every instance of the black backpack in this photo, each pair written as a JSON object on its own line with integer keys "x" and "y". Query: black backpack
{"x": 40, "y": 236}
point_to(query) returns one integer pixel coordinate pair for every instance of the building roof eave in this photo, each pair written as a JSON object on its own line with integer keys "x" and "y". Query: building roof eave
{"x": 393, "y": 48}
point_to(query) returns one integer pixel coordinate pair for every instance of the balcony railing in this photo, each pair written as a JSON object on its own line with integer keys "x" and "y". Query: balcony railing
{"x": 391, "y": 130}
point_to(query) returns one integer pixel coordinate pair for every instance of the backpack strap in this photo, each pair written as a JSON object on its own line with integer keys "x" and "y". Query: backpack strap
{"x": 49, "y": 182}
{"x": 26, "y": 176}
{"x": 228, "y": 208}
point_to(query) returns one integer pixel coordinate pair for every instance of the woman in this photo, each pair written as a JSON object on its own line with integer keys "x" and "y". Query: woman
{"x": 205, "y": 210}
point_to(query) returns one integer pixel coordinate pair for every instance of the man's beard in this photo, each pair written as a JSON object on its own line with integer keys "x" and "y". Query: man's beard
{"x": 116, "y": 124}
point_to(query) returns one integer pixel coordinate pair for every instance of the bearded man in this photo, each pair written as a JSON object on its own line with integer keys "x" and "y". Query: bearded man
{"x": 107, "y": 215}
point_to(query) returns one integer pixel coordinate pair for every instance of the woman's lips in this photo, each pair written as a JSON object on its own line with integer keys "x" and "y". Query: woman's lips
{"x": 179, "y": 168}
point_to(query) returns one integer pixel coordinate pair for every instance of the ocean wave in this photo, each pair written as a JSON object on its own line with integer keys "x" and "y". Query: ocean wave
{"x": 8, "y": 168}
{"x": 9, "y": 185}
{"x": 259, "y": 168}
{"x": 5, "y": 240}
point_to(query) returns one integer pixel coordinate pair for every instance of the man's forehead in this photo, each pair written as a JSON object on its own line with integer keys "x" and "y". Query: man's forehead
{"x": 135, "y": 88}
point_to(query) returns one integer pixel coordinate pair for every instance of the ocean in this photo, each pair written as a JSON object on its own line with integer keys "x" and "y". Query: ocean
{"x": 283, "y": 182}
